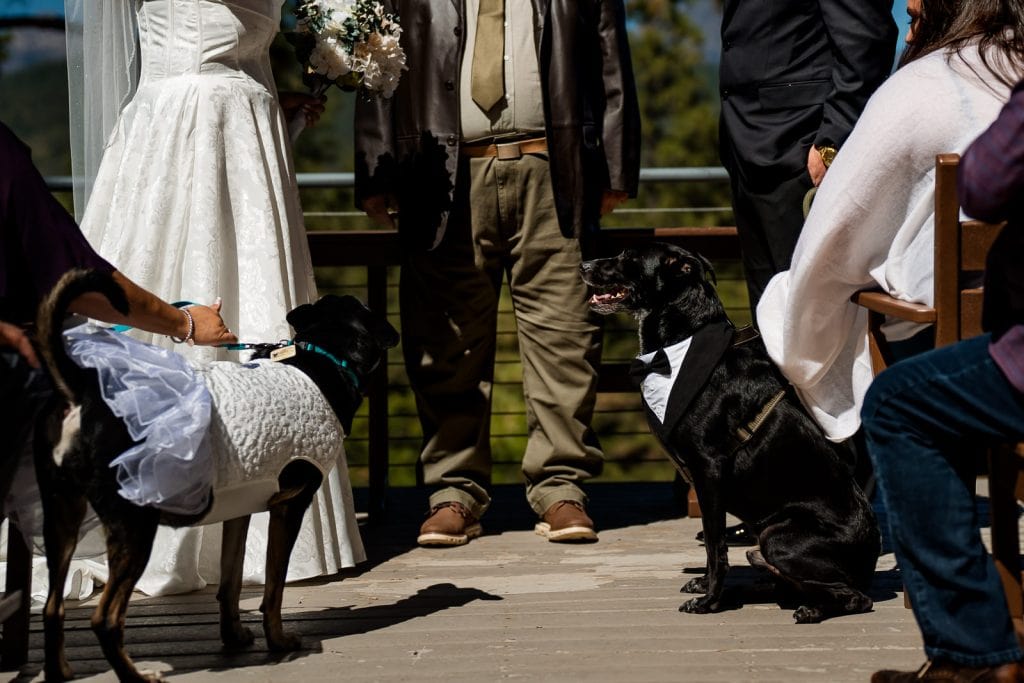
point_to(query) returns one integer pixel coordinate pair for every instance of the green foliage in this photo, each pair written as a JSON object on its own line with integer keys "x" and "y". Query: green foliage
{"x": 679, "y": 111}
{"x": 34, "y": 104}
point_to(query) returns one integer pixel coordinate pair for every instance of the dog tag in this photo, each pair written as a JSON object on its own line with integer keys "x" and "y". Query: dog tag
{"x": 283, "y": 352}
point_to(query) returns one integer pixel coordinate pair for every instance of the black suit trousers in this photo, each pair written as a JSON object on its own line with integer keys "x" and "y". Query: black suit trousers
{"x": 768, "y": 220}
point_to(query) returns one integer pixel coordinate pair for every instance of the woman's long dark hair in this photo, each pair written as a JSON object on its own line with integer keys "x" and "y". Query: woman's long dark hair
{"x": 996, "y": 25}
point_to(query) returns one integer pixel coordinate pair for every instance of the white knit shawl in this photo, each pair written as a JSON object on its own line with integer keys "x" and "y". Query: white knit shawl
{"x": 872, "y": 225}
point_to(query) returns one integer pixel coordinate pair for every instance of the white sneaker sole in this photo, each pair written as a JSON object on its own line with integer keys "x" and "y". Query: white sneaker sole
{"x": 435, "y": 539}
{"x": 572, "y": 533}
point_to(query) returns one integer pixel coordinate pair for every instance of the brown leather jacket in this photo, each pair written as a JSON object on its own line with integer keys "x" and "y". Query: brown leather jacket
{"x": 408, "y": 146}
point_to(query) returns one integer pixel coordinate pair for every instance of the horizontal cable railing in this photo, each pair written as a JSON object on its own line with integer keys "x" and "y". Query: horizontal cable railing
{"x": 671, "y": 174}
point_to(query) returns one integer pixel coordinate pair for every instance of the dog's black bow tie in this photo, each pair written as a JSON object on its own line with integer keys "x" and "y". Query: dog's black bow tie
{"x": 639, "y": 370}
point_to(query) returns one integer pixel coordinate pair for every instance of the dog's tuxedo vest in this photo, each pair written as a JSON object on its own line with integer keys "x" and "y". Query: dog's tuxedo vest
{"x": 666, "y": 397}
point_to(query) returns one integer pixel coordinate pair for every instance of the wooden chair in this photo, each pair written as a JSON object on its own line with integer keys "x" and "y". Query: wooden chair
{"x": 960, "y": 251}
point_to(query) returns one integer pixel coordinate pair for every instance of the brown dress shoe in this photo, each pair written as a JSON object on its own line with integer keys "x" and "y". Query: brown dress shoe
{"x": 449, "y": 524}
{"x": 947, "y": 672}
{"x": 566, "y": 520}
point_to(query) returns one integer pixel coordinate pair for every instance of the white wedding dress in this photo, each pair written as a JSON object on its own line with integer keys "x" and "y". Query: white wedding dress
{"x": 196, "y": 198}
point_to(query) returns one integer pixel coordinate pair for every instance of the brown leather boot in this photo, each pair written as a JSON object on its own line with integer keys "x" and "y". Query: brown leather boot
{"x": 948, "y": 672}
{"x": 449, "y": 524}
{"x": 566, "y": 520}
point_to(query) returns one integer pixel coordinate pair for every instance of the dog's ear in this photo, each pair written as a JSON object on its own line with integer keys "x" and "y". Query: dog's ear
{"x": 709, "y": 270}
{"x": 688, "y": 264}
{"x": 384, "y": 332}
{"x": 378, "y": 326}
{"x": 302, "y": 317}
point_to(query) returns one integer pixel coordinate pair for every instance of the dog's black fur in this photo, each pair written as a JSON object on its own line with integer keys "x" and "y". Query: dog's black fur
{"x": 79, "y": 472}
{"x": 793, "y": 487}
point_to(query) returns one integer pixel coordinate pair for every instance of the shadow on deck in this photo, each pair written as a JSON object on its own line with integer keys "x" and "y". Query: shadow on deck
{"x": 512, "y": 605}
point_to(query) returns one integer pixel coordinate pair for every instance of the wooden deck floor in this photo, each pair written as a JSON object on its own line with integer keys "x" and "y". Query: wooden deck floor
{"x": 512, "y": 606}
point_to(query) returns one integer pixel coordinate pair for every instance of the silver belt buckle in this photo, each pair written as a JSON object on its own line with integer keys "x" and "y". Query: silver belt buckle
{"x": 509, "y": 151}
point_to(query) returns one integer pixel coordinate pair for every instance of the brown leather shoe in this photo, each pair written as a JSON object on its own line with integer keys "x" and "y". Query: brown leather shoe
{"x": 947, "y": 672}
{"x": 449, "y": 524}
{"x": 566, "y": 520}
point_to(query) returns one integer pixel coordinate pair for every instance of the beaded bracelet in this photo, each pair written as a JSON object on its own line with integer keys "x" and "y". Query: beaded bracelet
{"x": 191, "y": 329}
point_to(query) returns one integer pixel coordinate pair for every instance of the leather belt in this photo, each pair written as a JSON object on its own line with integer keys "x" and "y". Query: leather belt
{"x": 506, "y": 150}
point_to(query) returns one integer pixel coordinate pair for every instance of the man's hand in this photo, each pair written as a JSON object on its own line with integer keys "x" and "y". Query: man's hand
{"x": 15, "y": 338}
{"x": 376, "y": 207}
{"x": 610, "y": 199}
{"x": 292, "y": 103}
{"x": 815, "y": 166}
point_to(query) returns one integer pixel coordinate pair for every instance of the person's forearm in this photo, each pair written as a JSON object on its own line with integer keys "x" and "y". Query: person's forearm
{"x": 146, "y": 311}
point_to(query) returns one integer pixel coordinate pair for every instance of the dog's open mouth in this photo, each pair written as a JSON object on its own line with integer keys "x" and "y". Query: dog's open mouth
{"x": 609, "y": 297}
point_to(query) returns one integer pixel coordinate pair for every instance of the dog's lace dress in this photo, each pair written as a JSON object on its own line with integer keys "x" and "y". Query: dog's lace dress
{"x": 221, "y": 427}
{"x": 265, "y": 415}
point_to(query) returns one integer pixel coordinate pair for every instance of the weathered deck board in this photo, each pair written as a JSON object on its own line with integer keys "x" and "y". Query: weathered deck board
{"x": 511, "y": 605}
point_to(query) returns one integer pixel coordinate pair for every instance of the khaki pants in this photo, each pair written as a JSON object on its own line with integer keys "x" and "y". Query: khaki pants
{"x": 503, "y": 224}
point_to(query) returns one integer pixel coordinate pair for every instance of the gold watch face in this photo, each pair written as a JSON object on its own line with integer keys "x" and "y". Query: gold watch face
{"x": 828, "y": 155}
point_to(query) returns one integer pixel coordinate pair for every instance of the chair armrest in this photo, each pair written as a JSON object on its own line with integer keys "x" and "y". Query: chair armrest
{"x": 880, "y": 302}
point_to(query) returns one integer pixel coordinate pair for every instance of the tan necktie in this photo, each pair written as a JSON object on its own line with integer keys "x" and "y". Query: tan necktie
{"x": 488, "y": 79}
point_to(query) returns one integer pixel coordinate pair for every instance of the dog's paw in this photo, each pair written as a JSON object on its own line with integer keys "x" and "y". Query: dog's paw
{"x": 703, "y": 605}
{"x": 284, "y": 642}
{"x": 236, "y": 636}
{"x": 697, "y": 585}
{"x": 61, "y": 672}
{"x": 808, "y": 615}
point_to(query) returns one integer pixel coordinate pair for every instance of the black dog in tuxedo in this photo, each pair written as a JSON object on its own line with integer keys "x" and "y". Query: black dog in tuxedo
{"x": 338, "y": 344}
{"x": 731, "y": 423}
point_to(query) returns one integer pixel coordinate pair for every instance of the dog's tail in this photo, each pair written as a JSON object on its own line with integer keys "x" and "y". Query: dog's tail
{"x": 68, "y": 376}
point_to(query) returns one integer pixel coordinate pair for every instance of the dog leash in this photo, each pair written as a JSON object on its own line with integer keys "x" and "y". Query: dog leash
{"x": 277, "y": 350}
{"x": 282, "y": 352}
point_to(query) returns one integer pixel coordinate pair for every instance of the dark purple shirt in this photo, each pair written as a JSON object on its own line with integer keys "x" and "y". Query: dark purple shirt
{"x": 991, "y": 188}
{"x": 39, "y": 240}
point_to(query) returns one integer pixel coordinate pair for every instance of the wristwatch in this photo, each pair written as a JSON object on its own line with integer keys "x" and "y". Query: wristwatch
{"x": 828, "y": 154}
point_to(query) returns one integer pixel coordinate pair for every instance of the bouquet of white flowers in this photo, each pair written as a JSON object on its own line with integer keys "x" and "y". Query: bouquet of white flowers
{"x": 353, "y": 44}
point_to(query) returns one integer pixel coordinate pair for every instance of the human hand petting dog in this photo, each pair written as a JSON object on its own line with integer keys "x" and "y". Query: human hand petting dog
{"x": 210, "y": 329}
{"x": 14, "y": 337}
{"x": 148, "y": 312}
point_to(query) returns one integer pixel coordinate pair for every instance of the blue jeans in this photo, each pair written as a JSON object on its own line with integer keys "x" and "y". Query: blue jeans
{"x": 925, "y": 421}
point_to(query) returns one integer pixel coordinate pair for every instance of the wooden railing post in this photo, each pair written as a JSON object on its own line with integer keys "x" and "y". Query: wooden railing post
{"x": 377, "y": 295}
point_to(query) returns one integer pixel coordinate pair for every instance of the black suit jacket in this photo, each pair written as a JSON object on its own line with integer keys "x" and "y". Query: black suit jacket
{"x": 408, "y": 146}
{"x": 795, "y": 73}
